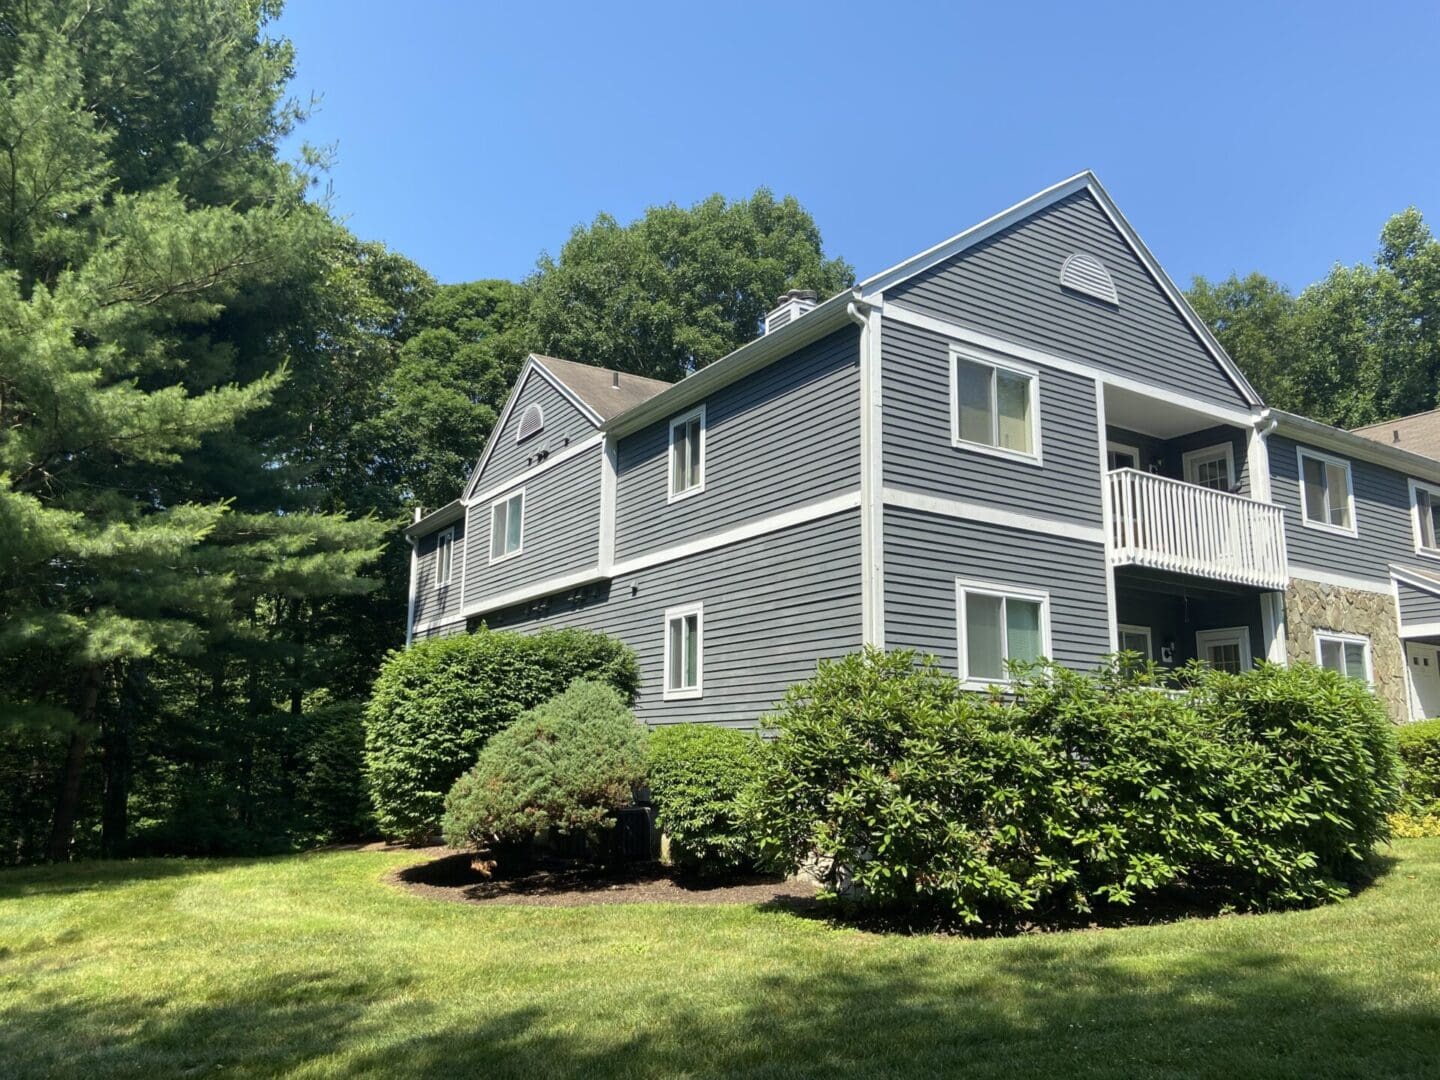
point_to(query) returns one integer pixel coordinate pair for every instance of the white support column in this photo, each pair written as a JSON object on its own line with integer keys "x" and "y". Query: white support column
{"x": 872, "y": 477}
{"x": 1258, "y": 457}
{"x": 1272, "y": 624}
{"x": 608, "y": 478}
{"x": 1107, "y": 516}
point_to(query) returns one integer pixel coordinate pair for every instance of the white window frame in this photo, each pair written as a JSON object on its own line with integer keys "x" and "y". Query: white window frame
{"x": 1221, "y": 635}
{"x": 1121, "y": 448}
{"x": 524, "y": 508}
{"x": 1303, "y": 452}
{"x": 1133, "y": 628}
{"x": 964, "y": 587}
{"x": 1416, "y": 487}
{"x": 447, "y": 536}
{"x": 687, "y": 693}
{"x": 1349, "y": 639}
{"x": 1192, "y": 458}
{"x": 1000, "y": 363}
{"x": 684, "y": 418}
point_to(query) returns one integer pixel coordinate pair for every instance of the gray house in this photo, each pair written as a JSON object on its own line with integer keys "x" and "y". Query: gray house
{"x": 1019, "y": 443}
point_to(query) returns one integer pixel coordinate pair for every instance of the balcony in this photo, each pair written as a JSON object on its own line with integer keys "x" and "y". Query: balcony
{"x": 1164, "y": 524}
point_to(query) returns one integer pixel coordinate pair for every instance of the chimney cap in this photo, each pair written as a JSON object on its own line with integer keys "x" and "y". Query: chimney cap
{"x": 796, "y": 294}
{"x": 614, "y": 380}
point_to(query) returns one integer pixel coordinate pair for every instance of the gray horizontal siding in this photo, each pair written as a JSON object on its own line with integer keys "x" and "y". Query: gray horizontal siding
{"x": 1009, "y": 285}
{"x": 561, "y": 533}
{"x": 1167, "y": 456}
{"x": 784, "y": 435}
{"x": 564, "y": 424}
{"x": 1417, "y": 605}
{"x": 774, "y": 606}
{"x": 918, "y": 453}
{"x": 925, "y": 553}
{"x": 1382, "y": 515}
{"x": 435, "y": 603}
{"x": 449, "y": 629}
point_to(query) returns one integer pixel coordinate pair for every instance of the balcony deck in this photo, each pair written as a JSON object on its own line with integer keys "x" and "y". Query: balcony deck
{"x": 1165, "y": 524}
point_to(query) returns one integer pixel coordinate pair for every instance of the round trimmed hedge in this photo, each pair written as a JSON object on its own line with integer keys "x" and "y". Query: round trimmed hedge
{"x": 698, "y": 776}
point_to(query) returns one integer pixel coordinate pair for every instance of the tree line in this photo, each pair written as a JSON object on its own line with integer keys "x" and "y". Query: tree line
{"x": 218, "y": 406}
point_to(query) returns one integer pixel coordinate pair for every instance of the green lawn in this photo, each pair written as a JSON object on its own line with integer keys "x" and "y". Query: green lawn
{"x": 311, "y": 966}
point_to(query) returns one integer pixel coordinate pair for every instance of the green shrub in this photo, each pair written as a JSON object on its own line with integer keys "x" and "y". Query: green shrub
{"x": 698, "y": 774}
{"x": 1074, "y": 791}
{"x": 436, "y": 703}
{"x": 1419, "y": 813}
{"x": 566, "y": 765}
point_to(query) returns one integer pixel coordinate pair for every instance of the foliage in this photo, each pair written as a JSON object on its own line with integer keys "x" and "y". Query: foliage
{"x": 1359, "y": 346}
{"x": 437, "y": 703}
{"x": 1419, "y": 813}
{"x": 699, "y": 775}
{"x": 1076, "y": 791}
{"x": 566, "y": 765}
{"x": 679, "y": 287}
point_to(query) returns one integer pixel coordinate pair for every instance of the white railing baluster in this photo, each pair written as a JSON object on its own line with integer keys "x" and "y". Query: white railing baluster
{"x": 1170, "y": 525}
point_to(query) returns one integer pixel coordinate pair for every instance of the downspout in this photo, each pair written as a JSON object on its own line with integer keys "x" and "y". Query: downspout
{"x": 1272, "y": 610}
{"x": 871, "y": 539}
{"x": 414, "y": 561}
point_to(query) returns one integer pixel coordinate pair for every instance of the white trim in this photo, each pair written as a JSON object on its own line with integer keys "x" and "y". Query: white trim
{"x": 1272, "y": 625}
{"x": 1107, "y": 520}
{"x": 1221, "y": 636}
{"x": 505, "y": 500}
{"x": 1136, "y": 628}
{"x": 535, "y": 591}
{"x": 1257, "y": 456}
{"x": 1301, "y": 453}
{"x": 414, "y": 573}
{"x": 684, "y": 419}
{"x": 992, "y": 515}
{"x": 798, "y": 515}
{"x": 687, "y": 693}
{"x": 1434, "y": 492}
{"x": 996, "y": 362}
{"x": 872, "y": 480}
{"x": 1419, "y": 630}
{"x": 1191, "y": 458}
{"x": 933, "y": 256}
{"x": 1356, "y": 447}
{"x": 959, "y": 332}
{"x": 1348, "y": 639}
{"x": 609, "y": 482}
{"x": 963, "y": 588}
{"x": 1112, "y": 445}
{"x": 570, "y": 452}
{"x": 1342, "y": 581}
{"x": 447, "y": 534}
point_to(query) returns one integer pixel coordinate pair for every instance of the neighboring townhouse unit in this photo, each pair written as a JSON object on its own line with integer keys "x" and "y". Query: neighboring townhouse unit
{"x": 1019, "y": 443}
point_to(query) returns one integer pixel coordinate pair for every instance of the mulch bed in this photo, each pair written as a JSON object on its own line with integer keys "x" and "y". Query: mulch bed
{"x": 554, "y": 882}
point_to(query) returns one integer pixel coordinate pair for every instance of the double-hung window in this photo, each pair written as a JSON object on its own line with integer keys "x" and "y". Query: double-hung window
{"x": 444, "y": 557}
{"x": 1425, "y": 506}
{"x": 1212, "y": 467}
{"x": 687, "y": 454}
{"x": 1327, "y": 501}
{"x": 1349, "y": 654}
{"x": 999, "y": 625}
{"x": 995, "y": 405}
{"x": 507, "y": 526}
{"x": 684, "y": 651}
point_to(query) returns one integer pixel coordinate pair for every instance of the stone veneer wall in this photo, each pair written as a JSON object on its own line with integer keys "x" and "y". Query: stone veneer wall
{"x": 1311, "y": 606}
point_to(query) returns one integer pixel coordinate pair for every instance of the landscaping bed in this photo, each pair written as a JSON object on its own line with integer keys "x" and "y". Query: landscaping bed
{"x": 556, "y": 882}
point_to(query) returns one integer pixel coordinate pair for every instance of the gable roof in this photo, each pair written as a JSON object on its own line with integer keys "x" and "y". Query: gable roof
{"x": 1419, "y": 433}
{"x": 605, "y": 391}
{"x": 1082, "y": 181}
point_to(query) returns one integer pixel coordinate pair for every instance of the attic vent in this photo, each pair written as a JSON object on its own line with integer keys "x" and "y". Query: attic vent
{"x": 532, "y": 420}
{"x": 1086, "y": 274}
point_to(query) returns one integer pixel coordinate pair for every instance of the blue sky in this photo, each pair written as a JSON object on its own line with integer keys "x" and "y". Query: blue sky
{"x": 1235, "y": 136}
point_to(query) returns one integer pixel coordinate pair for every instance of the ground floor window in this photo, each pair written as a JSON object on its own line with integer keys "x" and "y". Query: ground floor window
{"x": 1135, "y": 639}
{"x": 1225, "y": 650}
{"x": 1349, "y": 654}
{"x": 998, "y": 625}
{"x": 684, "y": 651}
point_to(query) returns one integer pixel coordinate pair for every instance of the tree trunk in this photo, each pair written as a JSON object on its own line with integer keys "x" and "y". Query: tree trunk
{"x": 117, "y": 760}
{"x": 67, "y": 802}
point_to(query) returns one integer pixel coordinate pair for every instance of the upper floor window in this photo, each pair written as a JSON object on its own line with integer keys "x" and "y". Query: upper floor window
{"x": 1349, "y": 654}
{"x": 684, "y": 651}
{"x": 997, "y": 626}
{"x": 994, "y": 405}
{"x": 444, "y": 556}
{"x": 687, "y": 454}
{"x": 1425, "y": 505}
{"x": 1212, "y": 467}
{"x": 1326, "y": 498}
{"x": 507, "y": 526}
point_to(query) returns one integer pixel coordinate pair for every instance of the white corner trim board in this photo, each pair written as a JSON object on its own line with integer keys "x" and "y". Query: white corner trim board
{"x": 968, "y": 510}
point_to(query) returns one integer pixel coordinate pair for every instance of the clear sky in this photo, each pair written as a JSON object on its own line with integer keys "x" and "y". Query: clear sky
{"x": 1235, "y": 136}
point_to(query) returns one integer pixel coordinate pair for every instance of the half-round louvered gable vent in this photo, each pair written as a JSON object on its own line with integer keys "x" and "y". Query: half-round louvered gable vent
{"x": 531, "y": 421}
{"x": 1086, "y": 274}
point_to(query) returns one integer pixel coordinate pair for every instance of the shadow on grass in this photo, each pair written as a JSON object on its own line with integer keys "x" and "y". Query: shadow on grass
{"x": 1042, "y": 1011}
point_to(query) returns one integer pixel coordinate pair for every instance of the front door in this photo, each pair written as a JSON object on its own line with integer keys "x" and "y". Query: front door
{"x": 1424, "y": 664}
{"x": 1225, "y": 650}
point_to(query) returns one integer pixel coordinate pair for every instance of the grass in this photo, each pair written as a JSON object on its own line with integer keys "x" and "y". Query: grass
{"x": 311, "y": 966}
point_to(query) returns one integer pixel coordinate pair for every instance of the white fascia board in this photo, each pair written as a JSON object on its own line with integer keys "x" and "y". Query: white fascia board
{"x": 1416, "y": 579}
{"x": 1348, "y": 444}
{"x": 564, "y": 391}
{"x": 451, "y": 511}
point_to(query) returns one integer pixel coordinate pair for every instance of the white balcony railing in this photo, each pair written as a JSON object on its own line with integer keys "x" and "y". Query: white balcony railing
{"x": 1165, "y": 524}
